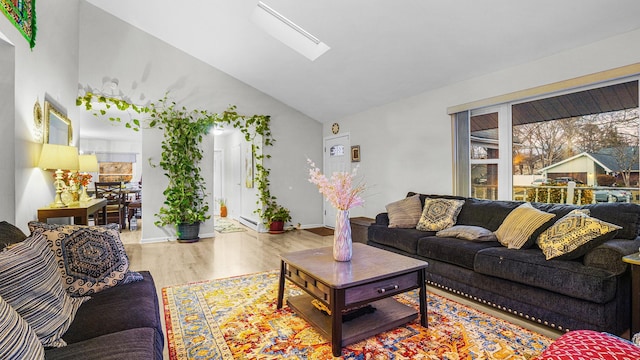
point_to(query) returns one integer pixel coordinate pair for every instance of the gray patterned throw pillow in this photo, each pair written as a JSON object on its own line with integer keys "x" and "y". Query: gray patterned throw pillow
{"x": 439, "y": 214}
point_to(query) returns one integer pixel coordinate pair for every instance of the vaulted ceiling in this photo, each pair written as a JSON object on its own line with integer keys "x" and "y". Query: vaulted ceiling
{"x": 381, "y": 50}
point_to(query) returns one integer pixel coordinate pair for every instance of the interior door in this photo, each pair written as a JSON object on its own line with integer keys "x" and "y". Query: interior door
{"x": 337, "y": 157}
{"x": 218, "y": 178}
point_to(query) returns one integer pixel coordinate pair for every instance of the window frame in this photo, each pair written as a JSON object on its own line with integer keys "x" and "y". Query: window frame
{"x": 504, "y": 162}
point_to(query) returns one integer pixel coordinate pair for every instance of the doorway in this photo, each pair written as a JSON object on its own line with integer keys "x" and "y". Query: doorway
{"x": 218, "y": 176}
{"x": 336, "y": 157}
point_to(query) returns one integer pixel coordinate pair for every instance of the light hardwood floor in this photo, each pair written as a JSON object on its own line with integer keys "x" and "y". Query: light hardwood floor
{"x": 228, "y": 254}
{"x": 238, "y": 253}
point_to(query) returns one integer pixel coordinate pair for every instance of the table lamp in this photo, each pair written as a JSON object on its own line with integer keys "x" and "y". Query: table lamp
{"x": 88, "y": 163}
{"x": 59, "y": 157}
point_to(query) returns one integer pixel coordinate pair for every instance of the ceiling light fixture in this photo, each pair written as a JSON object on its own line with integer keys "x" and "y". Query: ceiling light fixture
{"x": 285, "y": 30}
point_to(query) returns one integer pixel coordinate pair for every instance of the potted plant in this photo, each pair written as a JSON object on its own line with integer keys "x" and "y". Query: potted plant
{"x": 223, "y": 207}
{"x": 277, "y": 216}
{"x": 185, "y": 204}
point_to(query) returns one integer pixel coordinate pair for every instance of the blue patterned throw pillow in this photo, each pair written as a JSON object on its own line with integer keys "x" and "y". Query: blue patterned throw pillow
{"x": 90, "y": 258}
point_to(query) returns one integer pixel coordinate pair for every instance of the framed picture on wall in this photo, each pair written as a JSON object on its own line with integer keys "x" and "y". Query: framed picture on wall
{"x": 249, "y": 166}
{"x": 355, "y": 153}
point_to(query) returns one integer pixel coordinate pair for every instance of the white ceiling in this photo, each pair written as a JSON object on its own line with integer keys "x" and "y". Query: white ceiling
{"x": 381, "y": 50}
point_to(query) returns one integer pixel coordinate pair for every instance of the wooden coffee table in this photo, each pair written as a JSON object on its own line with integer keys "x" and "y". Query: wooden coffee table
{"x": 372, "y": 277}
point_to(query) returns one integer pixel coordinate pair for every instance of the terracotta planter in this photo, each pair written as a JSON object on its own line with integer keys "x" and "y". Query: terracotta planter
{"x": 276, "y": 227}
{"x": 223, "y": 211}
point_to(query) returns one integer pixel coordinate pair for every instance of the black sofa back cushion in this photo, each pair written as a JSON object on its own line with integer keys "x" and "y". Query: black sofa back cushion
{"x": 486, "y": 213}
{"x": 10, "y": 234}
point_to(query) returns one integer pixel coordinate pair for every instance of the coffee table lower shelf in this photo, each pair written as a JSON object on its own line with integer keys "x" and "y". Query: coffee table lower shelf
{"x": 389, "y": 314}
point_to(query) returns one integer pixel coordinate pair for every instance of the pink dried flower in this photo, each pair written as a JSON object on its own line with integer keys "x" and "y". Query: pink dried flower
{"x": 340, "y": 189}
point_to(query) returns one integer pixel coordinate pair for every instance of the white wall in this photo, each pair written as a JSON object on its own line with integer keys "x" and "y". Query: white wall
{"x": 7, "y": 131}
{"x": 147, "y": 68}
{"x": 407, "y": 145}
{"x": 48, "y": 70}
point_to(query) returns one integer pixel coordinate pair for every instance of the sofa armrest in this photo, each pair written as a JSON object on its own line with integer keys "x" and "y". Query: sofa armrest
{"x": 382, "y": 219}
{"x": 608, "y": 256}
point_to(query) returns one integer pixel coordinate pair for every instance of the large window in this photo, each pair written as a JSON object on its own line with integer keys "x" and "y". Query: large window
{"x": 589, "y": 136}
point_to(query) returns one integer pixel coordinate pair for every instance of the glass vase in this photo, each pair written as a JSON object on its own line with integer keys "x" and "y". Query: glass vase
{"x": 342, "y": 237}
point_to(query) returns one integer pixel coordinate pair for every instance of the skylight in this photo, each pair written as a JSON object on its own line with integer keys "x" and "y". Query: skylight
{"x": 285, "y": 30}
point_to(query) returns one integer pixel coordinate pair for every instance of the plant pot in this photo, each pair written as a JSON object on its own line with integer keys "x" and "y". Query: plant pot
{"x": 276, "y": 227}
{"x": 188, "y": 233}
{"x": 223, "y": 211}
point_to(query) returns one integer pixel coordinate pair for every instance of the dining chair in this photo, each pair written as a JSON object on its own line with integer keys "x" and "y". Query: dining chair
{"x": 116, "y": 201}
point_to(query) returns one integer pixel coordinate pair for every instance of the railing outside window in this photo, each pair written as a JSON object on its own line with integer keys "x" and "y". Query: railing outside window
{"x": 579, "y": 195}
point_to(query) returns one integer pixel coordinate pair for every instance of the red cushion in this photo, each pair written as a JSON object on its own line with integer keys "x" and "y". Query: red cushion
{"x": 590, "y": 345}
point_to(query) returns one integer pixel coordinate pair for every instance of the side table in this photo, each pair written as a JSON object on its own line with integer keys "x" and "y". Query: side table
{"x": 634, "y": 260}
{"x": 360, "y": 228}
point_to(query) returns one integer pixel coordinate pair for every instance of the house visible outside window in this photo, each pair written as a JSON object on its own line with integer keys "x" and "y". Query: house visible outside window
{"x": 589, "y": 136}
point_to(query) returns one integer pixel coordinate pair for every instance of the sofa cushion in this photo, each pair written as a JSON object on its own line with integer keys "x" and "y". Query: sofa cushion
{"x": 123, "y": 307}
{"x": 574, "y": 235}
{"x": 402, "y": 239}
{"x": 608, "y": 256}
{"x": 589, "y": 344}
{"x": 451, "y": 250}
{"x": 18, "y": 340}
{"x": 468, "y": 232}
{"x": 131, "y": 344}
{"x": 31, "y": 284}
{"x": 404, "y": 213}
{"x": 530, "y": 267}
{"x": 90, "y": 258}
{"x": 520, "y": 225}
{"x": 10, "y": 234}
{"x": 486, "y": 213}
{"x": 439, "y": 214}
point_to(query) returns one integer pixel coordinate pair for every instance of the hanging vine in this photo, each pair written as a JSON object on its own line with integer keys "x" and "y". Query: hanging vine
{"x": 181, "y": 127}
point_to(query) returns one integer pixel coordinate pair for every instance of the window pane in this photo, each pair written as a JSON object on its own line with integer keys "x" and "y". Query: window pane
{"x": 484, "y": 136}
{"x": 116, "y": 171}
{"x": 336, "y": 150}
{"x": 484, "y": 181}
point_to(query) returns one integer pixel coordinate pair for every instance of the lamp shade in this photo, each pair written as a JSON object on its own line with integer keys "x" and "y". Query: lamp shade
{"x": 88, "y": 163}
{"x": 58, "y": 157}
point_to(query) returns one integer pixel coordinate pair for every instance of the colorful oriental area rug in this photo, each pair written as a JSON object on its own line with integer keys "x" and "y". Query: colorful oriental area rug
{"x": 236, "y": 318}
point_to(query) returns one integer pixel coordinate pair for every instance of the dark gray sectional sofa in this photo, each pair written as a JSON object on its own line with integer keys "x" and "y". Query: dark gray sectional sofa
{"x": 122, "y": 322}
{"x": 590, "y": 292}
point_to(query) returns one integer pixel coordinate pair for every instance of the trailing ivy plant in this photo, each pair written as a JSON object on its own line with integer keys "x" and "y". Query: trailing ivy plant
{"x": 181, "y": 152}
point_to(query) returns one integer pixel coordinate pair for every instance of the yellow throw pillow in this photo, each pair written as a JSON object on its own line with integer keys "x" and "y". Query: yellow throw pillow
{"x": 520, "y": 224}
{"x": 574, "y": 235}
{"x": 439, "y": 214}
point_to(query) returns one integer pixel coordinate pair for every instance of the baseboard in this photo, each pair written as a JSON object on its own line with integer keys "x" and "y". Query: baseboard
{"x": 155, "y": 240}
